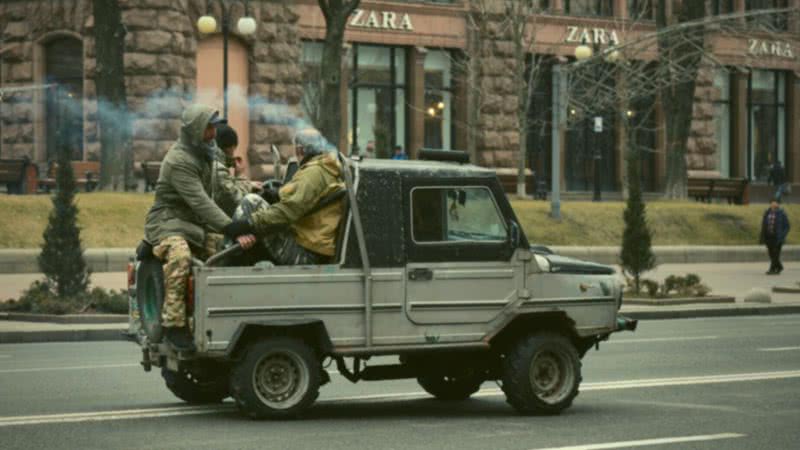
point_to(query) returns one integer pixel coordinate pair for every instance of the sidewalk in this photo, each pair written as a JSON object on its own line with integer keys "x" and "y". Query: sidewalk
{"x": 734, "y": 279}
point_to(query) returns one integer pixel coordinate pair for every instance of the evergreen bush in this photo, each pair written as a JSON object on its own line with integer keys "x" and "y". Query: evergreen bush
{"x": 637, "y": 254}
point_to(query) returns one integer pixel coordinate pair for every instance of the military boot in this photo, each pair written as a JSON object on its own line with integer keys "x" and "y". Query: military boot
{"x": 179, "y": 338}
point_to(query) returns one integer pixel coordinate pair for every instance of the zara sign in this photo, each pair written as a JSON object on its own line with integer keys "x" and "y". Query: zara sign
{"x": 758, "y": 47}
{"x": 591, "y": 35}
{"x": 382, "y": 20}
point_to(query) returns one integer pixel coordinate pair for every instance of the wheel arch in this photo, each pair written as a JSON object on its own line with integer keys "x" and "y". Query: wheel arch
{"x": 524, "y": 324}
{"x": 311, "y": 331}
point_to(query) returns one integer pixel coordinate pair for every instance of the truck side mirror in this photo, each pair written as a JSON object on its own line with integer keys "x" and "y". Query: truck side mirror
{"x": 514, "y": 234}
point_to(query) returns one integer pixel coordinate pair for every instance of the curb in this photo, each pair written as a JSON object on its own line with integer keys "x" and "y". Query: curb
{"x": 116, "y": 334}
{"x": 28, "y": 337}
{"x": 66, "y": 318}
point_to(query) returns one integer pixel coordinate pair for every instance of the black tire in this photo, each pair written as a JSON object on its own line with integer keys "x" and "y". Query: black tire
{"x": 150, "y": 297}
{"x": 541, "y": 374}
{"x": 450, "y": 388}
{"x": 294, "y": 372}
{"x": 191, "y": 389}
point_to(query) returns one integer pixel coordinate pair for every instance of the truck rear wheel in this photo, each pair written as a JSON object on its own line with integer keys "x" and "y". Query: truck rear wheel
{"x": 541, "y": 374}
{"x": 150, "y": 297}
{"x": 194, "y": 389}
{"x": 278, "y": 378}
{"x": 450, "y": 388}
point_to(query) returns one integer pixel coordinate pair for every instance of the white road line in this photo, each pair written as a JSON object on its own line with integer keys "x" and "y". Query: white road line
{"x": 778, "y": 349}
{"x": 663, "y": 339}
{"x": 5, "y": 356}
{"x": 645, "y": 442}
{"x": 49, "y": 369}
{"x": 189, "y": 410}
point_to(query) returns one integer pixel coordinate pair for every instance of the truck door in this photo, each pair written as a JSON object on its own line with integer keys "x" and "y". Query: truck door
{"x": 459, "y": 267}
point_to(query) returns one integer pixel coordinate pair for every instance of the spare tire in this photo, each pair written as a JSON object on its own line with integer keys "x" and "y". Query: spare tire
{"x": 150, "y": 297}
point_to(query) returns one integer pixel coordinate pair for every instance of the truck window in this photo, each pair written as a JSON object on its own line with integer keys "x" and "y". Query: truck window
{"x": 455, "y": 214}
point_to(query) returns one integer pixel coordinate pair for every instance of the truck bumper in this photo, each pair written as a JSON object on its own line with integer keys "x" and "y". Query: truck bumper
{"x": 626, "y": 324}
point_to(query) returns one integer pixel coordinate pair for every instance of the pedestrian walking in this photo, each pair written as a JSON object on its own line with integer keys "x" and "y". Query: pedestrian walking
{"x": 774, "y": 228}
{"x": 777, "y": 178}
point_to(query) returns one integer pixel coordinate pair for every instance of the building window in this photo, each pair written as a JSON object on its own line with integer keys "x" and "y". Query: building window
{"x": 767, "y": 21}
{"x": 589, "y": 7}
{"x": 722, "y": 121}
{"x": 766, "y": 122}
{"x": 311, "y": 60}
{"x": 640, "y": 9}
{"x": 540, "y": 114}
{"x": 64, "y": 97}
{"x": 377, "y": 106}
{"x": 438, "y": 100}
{"x": 721, "y": 7}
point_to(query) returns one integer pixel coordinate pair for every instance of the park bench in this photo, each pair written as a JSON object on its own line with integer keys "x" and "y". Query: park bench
{"x": 19, "y": 175}
{"x": 87, "y": 174}
{"x": 734, "y": 190}
{"x": 150, "y": 171}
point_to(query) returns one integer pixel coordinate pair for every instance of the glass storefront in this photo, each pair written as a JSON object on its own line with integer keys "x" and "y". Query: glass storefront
{"x": 540, "y": 119}
{"x": 722, "y": 121}
{"x": 64, "y": 98}
{"x": 589, "y": 7}
{"x": 766, "y": 117}
{"x": 438, "y": 100}
{"x": 377, "y": 106}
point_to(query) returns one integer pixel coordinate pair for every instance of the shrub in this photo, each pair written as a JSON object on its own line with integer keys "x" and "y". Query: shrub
{"x": 651, "y": 287}
{"x": 40, "y": 298}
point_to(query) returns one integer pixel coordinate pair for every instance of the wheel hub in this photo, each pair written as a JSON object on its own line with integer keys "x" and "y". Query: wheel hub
{"x": 277, "y": 378}
{"x": 548, "y": 376}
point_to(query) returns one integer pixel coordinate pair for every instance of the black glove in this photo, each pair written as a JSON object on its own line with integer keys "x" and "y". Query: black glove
{"x": 271, "y": 195}
{"x": 237, "y": 228}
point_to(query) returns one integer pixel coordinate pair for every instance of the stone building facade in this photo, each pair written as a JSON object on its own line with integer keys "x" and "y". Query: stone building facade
{"x": 406, "y": 83}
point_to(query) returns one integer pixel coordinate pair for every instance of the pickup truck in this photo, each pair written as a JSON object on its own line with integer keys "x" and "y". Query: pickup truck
{"x": 432, "y": 268}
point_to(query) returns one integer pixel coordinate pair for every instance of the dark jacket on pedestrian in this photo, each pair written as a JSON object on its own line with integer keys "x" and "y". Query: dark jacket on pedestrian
{"x": 184, "y": 204}
{"x": 780, "y": 229}
{"x": 777, "y": 175}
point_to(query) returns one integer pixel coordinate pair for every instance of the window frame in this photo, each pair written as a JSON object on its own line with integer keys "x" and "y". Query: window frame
{"x": 779, "y": 77}
{"x": 497, "y": 210}
{"x": 598, "y": 10}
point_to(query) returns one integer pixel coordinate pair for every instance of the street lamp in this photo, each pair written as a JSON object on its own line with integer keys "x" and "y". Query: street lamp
{"x": 584, "y": 52}
{"x": 207, "y": 24}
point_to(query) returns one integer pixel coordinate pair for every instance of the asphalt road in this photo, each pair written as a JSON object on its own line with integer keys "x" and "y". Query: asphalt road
{"x": 730, "y": 383}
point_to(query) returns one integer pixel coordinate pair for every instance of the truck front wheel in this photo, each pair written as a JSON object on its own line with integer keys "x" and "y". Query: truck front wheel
{"x": 541, "y": 374}
{"x": 278, "y": 378}
{"x": 450, "y": 388}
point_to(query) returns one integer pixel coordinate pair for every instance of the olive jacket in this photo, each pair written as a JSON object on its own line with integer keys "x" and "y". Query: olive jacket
{"x": 314, "y": 180}
{"x": 184, "y": 204}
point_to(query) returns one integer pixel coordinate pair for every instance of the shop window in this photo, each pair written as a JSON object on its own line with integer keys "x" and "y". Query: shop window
{"x": 767, "y": 21}
{"x": 766, "y": 122}
{"x": 722, "y": 120}
{"x": 64, "y": 97}
{"x": 589, "y": 7}
{"x": 438, "y": 100}
{"x": 540, "y": 114}
{"x": 640, "y": 9}
{"x": 311, "y": 60}
{"x": 377, "y": 105}
{"x": 455, "y": 215}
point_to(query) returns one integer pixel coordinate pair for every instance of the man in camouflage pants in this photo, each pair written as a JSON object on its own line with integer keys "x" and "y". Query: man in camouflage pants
{"x": 184, "y": 220}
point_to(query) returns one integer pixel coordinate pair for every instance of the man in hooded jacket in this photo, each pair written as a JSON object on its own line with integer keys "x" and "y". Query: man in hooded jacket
{"x": 184, "y": 219}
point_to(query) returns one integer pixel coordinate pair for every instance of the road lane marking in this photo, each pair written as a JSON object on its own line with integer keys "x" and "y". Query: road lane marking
{"x": 49, "y": 369}
{"x": 5, "y": 356}
{"x": 192, "y": 410}
{"x": 646, "y": 442}
{"x": 778, "y": 349}
{"x": 663, "y": 339}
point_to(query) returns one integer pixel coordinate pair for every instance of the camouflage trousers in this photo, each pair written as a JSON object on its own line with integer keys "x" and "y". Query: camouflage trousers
{"x": 281, "y": 247}
{"x": 176, "y": 254}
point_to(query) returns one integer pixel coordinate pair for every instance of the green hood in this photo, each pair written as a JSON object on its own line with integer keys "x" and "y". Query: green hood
{"x": 193, "y": 124}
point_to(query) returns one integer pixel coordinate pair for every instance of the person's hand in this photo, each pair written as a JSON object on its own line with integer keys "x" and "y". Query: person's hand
{"x": 256, "y": 186}
{"x": 247, "y": 241}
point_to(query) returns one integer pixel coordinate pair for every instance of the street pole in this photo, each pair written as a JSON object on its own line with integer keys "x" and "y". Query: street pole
{"x": 225, "y": 32}
{"x": 555, "y": 139}
{"x": 597, "y": 129}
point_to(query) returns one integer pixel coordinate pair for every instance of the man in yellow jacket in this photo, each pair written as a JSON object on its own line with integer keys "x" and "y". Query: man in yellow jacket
{"x": 301, "y": 227}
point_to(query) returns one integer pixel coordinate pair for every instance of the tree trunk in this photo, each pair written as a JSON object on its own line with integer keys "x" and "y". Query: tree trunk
{"x": 112, "y": 107}
{"x": 336, "y": 14}
{"x": 678, "y": 111}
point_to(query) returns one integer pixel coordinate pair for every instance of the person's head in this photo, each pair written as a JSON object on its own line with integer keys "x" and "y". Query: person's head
{"x": 774, "y": 204}
{"x": 198, "y": 124}
{"x": 238, "y": 166}
{"x": 227, "y": 139}
{"x": 308, "y": 143}
{"x": 398, "y": 150}
{"x": 210, "y": 132}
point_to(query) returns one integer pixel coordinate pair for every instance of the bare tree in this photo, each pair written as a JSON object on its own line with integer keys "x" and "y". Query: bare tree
{"x": 336, "y": 13}
{"x": 112, "y": 108}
